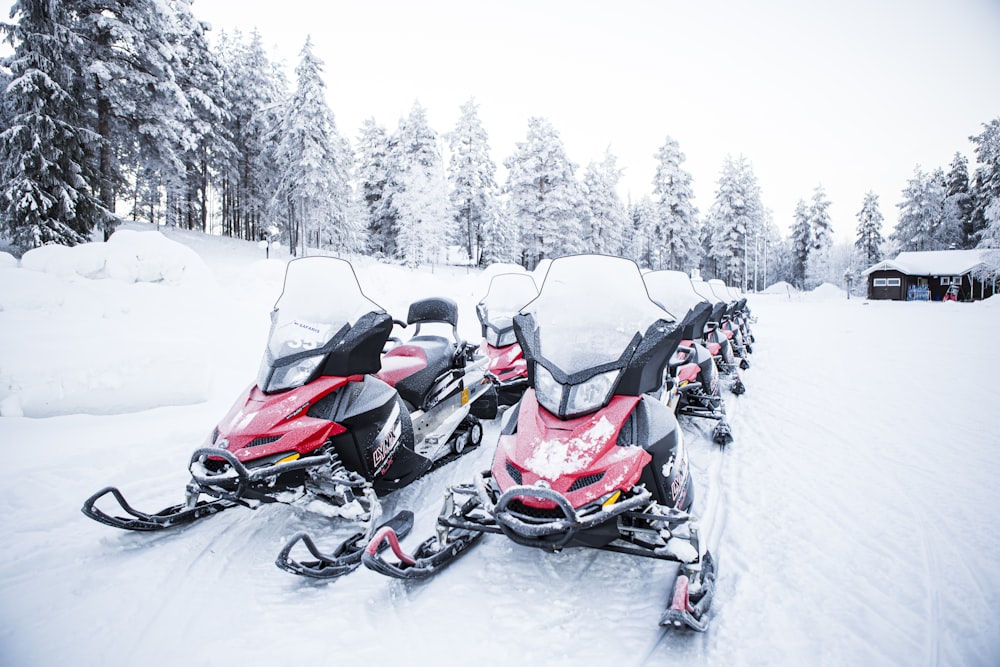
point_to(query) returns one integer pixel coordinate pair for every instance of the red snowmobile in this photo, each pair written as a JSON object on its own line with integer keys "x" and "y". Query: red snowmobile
{"x": 331, "y": 414}
{"x": 507, "y": 293}
{"x": 693, "y": 388}
{"x": 589, "y": 457}
{"x": 719, "y": 339}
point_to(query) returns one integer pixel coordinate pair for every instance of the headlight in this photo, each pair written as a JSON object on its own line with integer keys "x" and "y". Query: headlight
{"x": 293, "y": 375}
{"x": 547, "y": 390}
{"x": 592, "y": 394}
{"x": 500, "y": 339}
{"x": 583, "y": 398}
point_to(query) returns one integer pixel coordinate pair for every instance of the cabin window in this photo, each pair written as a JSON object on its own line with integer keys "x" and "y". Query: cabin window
{"x": 945, "y": 280}
{"x": 892, "y": 282}
{"x": 878, "y": 282}
{"x": 956, "y": 280}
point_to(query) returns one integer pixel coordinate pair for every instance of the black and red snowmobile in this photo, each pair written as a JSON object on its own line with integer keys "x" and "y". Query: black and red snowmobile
{"x": 693, "y": 387}
{"x": 718, "y": 339}
{"x": 735, "y": 320}
{"x": 506, "y": 295}
{"x": 590, "y": 457}
{"x": 331, "y": 414}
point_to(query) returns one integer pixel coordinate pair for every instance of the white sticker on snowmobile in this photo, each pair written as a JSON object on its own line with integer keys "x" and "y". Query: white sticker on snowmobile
{"x": 387, "y": 439}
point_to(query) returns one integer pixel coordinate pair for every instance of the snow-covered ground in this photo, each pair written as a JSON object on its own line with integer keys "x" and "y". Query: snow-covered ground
{"x": 855, "y": 520}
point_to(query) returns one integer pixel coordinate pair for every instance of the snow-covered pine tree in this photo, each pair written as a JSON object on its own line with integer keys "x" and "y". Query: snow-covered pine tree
{"x": 47, "y": 154}
{"x": 544, "y": 195}
{"x": 736, "y": 212}
{"x": 986, "y": 186}
{"x": 819, "y": 264}
{"x": 640, "y": 241}
{"x": 316, "y": 164}
{"x": 869, "y": 241}
{"x": 801, "y": 244}
{"x": 677, "y": 228}
{"x": 372, "y": 159}
{"x": 246, "y": 179}
{"x": 419, "y": 189}
{"x": 423, "y": 214}
{"x": 199, "y": 77}
{"x": 135, "y": 101}
{"x": 958, "y": 204}
{"x": 472, "y": 175}
{"x": 606, "y": 218}
{"x": 921, "y": 211}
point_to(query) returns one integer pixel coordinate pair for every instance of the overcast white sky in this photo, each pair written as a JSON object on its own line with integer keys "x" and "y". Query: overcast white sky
{"x": 850, "y": 94}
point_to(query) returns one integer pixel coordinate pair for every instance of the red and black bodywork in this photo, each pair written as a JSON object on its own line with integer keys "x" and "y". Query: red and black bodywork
{"x": 590, "y": 456}
{"x": 328, "y": 414}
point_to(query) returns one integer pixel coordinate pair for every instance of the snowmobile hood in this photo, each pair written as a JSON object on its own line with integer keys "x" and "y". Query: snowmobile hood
{"x": 577, "y": 457}
{"x": 261, "y": 426}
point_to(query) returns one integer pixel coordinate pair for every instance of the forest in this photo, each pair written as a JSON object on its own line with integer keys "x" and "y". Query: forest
{"x": 119, "y": 110}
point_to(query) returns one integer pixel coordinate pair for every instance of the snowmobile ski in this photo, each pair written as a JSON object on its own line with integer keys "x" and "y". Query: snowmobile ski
{"x": 175, "y": 515}
{"x": 688, "y": 607}
{"x": 345, "y": 558}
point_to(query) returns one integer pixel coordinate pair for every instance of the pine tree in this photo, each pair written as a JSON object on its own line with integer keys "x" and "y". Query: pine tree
{"x": 544, "y": 196}
{"x": 818, "y": 264}
{"x": 736, "y": 212}
{"x": 254, "y": 89}
{"x": 47, "y": 153}
{"x": 471, "y": 173}
{"x": 958, "y": 204}
{"x": 418, "y": 189}
{"x": 606, "y": 218}
{"x": 373, "y": 176}
{"x": 986, "y": 186}
{"x": 802, "y": 243}
{"x": 677, "y": 228}
{"x": 134, "y": 98}
{"x": 316, "y": 163}
{"x": 921, "y": 211}
{"x": 639, "y": 240}
{"x": 869, "y": 239}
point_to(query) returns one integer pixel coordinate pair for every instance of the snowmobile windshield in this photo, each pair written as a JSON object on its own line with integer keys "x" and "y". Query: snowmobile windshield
{"x": 720, "y": 290}
{"x": 507, "y": 294}
{"x": 320, "y": 301}
{"x": 672, "y": 290}
{"x": 705, "y": 291}
{"x": 589, "y": 310}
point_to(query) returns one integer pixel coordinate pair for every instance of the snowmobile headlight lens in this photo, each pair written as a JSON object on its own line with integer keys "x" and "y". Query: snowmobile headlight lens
{"x": 500, "y": 338}
{"x": 293, "y": 375}
{"x": 591, "y": 394}
{"x": 547, "y": 390}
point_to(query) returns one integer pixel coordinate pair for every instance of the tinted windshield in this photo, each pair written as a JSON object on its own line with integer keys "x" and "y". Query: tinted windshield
{"x": 589, "y": 309}
{"x": 320, "y": 296}
{"x": 508, "y": 293}
{"x": 672, "y": 290}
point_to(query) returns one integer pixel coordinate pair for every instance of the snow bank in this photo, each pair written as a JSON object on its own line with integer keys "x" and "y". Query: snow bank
{"x": 7, "y": 260}
{"x": 105, "y": 328}
{"x": 780, "y": 287}
{"x": 827, "y": 292}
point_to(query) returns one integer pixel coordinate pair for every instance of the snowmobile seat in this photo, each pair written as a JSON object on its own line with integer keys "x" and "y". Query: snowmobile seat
{"x": 434, "y": 309}
{"x": 433, "y": 356}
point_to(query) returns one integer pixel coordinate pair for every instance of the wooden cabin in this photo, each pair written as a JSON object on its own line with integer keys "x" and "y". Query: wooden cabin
{"x": 928, "y": 275}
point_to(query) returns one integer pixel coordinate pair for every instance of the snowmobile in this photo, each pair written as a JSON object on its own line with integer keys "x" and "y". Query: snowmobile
{"x": 719, "y": 339}
{"x": 693, "y": 386}
{"x": 589, "y": 457}
{"x": 736, "y": 319}
{"x": 507, "y": 293}
{"x": 332, "y": 414}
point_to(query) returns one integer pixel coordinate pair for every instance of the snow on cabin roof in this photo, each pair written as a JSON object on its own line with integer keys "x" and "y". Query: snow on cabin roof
{"x": 931, "y": 263}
